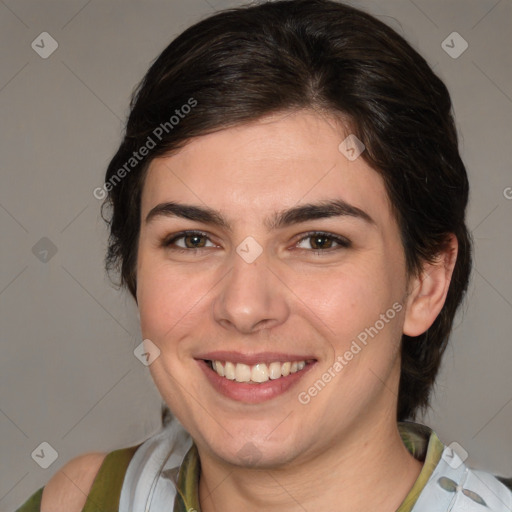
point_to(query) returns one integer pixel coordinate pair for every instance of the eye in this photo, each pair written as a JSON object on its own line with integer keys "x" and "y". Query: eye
{"x": 187, "y": 240}
{"x": 321, "y": 242}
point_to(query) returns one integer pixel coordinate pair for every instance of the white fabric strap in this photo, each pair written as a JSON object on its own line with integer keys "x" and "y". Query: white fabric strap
{"x": 453, "y": 487}
{"x": 150, "y": 480}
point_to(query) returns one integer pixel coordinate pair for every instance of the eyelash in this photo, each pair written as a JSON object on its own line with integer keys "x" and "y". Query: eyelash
{"x": 341, "y": 241}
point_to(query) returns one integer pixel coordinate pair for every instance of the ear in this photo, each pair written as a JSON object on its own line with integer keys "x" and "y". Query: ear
{"x": 427, "y": 292}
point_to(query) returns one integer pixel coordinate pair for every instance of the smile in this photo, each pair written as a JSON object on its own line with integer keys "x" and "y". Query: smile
{"x": 257, "y": 373}
{"x": 254, "y": 378}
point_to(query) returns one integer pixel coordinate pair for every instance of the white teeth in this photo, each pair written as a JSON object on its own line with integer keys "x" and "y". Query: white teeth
{"x": 274, "y": 370}
{"x": 242, "y": 373}
{"x": 217, "y": 366}
{"x": 229, "y": 370}
{"x": 258, "y": 373}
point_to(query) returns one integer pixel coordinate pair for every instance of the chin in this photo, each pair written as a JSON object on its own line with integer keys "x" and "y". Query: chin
{"x": 257, "y": 456}
{"x": 252, "y": 451}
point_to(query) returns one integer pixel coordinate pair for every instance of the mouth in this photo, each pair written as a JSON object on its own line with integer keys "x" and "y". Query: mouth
{"x": 253, "y": 379}
{"x": 257, "y": 373}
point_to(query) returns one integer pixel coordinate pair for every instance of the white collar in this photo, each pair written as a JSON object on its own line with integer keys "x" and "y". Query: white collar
{"x": 151, "y": 479}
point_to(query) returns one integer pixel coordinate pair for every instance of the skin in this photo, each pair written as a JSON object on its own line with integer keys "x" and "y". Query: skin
{"x": 342, "y": 450}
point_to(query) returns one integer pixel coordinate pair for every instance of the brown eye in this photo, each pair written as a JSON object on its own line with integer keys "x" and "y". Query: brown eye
{"x": 322, "y": 242}
{"x": 188, "y": 240}
{"x": 194, "y": 241}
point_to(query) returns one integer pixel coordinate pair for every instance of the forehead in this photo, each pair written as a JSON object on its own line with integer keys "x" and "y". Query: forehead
{"x": 267, "y": 165}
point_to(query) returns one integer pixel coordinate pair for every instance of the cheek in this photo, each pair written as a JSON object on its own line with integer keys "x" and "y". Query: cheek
{"x": 166, "y": 299}
{"x": 347, "y": 300}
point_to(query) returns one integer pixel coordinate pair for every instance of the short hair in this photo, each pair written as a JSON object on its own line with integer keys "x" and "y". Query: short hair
{"x": 241, "y": 64}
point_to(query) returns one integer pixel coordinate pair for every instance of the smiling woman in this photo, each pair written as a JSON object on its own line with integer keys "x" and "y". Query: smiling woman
{"x": 300, "y": 232}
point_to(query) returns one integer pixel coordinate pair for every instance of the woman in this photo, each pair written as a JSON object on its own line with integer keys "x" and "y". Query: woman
{"x": 288, "y": 211}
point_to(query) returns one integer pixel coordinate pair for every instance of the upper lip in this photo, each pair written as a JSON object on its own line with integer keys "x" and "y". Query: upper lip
{"x": 252, "y": 359}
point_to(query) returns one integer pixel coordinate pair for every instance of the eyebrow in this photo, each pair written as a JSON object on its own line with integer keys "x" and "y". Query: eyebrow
{"x": 297, "y": 214}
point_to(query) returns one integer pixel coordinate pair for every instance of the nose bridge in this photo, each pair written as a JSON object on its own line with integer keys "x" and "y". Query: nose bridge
{"x": 250, "y": 296}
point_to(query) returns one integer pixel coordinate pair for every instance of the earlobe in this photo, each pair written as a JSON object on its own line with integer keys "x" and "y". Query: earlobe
{"x": 427, "y": 291}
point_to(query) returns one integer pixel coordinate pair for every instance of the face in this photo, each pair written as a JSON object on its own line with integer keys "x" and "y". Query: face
{"x": 271, "y": 277}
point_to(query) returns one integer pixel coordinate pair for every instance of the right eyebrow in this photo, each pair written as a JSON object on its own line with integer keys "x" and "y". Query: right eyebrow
{"x": 190, "y": 212}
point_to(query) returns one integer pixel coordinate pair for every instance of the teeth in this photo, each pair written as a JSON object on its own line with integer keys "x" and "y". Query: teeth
{"x": 274, "y": 370}
{"x": 229, "y": 369}
{"x": 217, "y": 366}
{"x": 242, "y": 373}
{"x": 258, "y": 373}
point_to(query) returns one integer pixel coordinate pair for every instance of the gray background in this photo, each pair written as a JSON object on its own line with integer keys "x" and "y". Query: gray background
{"x": 68, "y": 375}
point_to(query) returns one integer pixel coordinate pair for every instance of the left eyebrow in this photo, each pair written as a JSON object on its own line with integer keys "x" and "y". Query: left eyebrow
{"x": 320, "y": 210}
{"x": 295, "y": 215}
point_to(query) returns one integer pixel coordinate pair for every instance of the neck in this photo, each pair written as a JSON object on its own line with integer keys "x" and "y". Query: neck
{"x": 371, "y": 469}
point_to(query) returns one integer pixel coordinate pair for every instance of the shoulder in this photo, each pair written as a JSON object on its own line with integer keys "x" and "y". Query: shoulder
{"x": 68, "y": 489}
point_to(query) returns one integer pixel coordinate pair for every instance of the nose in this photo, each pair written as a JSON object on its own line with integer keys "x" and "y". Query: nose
{"x": 251, "y": 297}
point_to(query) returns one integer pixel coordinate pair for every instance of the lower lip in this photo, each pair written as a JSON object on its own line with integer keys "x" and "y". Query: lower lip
{"x": 252, "y": 393}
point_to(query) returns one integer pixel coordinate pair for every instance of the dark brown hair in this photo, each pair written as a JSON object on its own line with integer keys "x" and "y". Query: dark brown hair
{"x": 241, "y": 64}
